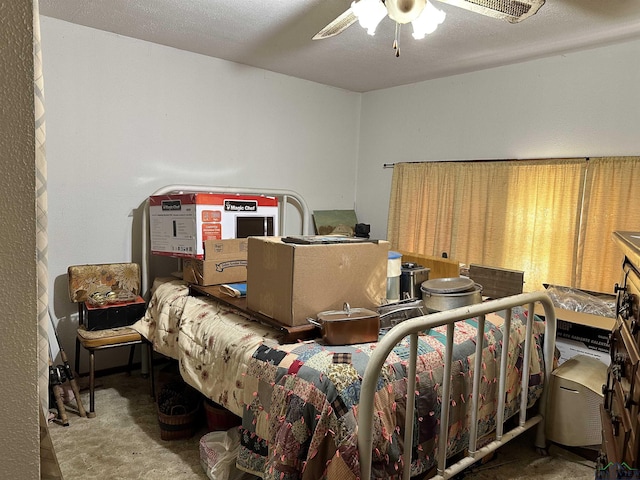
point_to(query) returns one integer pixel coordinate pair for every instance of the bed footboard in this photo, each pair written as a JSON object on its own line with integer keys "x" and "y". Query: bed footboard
{"x": 411, "y": 328}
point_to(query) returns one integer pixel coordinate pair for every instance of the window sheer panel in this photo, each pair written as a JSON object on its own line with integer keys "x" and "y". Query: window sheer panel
{"x": 544, "y": 205}
{"x": 420, "y": 207}
{"x": 480, "y": 211}
{"x": 520, "y": 215}
{"x": 610, "y": 205}
{"x": 500, "y": 206}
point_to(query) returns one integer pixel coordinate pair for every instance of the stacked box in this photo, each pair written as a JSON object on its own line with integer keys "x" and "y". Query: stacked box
{"x": 291, "y": 282}
{"x": 179, "y": 224}
{"x": 225, "y": 261}
{"x": 581, "y": 334}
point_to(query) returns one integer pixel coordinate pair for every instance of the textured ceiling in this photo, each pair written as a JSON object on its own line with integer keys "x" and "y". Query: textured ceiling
{"x": 276, "y": 35}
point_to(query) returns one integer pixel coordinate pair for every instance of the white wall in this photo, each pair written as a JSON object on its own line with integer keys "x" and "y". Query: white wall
{"x": 125, "y": 117}
{"x": 574, "y": 105}
{"x": 19, "y": 420}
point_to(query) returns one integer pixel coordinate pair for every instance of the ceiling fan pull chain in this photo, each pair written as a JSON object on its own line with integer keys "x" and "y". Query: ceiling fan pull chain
{"x": 396, "y": 41}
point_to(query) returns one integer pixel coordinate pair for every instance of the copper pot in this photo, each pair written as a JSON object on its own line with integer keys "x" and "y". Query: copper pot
{"x": 348, "y": 326}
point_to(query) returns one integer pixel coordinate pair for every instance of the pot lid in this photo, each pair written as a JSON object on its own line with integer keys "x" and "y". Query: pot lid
{"x": 347, "y": 314}
{"x": 448, "y": 285}
{"x": 412, "y": 266}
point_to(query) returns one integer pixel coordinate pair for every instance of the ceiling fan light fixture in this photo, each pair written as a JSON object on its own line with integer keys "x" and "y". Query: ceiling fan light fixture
{"x": 404, "y": 11}
{"x": 428, "y": 21}
{"x": 369, "y": 14}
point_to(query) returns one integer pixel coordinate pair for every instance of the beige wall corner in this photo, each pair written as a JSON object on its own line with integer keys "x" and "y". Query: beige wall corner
{"x": 19, "y": 442}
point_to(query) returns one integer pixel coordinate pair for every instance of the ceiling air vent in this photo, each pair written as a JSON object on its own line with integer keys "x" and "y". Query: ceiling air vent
{"x": 513, "y": 11}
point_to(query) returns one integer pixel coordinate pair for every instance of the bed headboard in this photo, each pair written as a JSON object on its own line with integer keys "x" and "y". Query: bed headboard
{"x": 439, "y": 267}
{"x": 285, "y": 198}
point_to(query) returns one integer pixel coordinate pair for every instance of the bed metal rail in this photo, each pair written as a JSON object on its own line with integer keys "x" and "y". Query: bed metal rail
{"x": 285, "y": 198}
{"x": 411, "y": 328}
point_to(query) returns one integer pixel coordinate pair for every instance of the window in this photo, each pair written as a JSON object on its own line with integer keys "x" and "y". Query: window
{"x": 552, "y": 219}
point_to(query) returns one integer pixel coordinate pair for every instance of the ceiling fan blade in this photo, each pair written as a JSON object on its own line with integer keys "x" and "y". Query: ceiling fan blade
{"x": 337, "y": 26}
{"x": 514, "y": 11}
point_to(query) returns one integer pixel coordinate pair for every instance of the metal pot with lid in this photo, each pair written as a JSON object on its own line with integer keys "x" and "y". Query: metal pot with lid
{"x": 411, "y": 279}
{"x": 441, "y": 294}
{"x": 348, "y": 326}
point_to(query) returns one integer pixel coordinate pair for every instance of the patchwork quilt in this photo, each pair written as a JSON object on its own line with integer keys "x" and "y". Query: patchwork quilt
{"x": 300, "y": 419}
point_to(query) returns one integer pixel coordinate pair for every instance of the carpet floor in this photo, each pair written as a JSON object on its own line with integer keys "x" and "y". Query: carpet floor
{"x": 123, "y": 442}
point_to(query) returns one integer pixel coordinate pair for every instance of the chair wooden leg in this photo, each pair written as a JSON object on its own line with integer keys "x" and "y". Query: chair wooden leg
{"x": 144, "y": 360}
{"x": 77, "y": 356}
{"x": 149, "y": 349}
{"x": 131, "y": 353}
{"x": 92, "y": 385}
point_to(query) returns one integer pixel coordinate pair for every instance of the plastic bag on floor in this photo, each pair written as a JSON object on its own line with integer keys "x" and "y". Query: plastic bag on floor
{"x": 218, "y": 453}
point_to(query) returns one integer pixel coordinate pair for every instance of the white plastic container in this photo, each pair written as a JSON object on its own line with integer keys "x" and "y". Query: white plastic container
{"x": 394, "y": 270}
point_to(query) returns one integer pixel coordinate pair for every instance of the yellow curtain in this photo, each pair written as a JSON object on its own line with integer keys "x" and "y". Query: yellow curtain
{"x": 420, "y": 210}
{"x": 521, "y": 215}
{"x": 609, "y": 205}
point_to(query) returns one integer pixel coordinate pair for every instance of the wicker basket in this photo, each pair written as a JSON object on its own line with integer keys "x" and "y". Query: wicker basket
{"x": 179, "y": 410}
{"x": 219, "y": 418}
{"x": 179, "y": 424}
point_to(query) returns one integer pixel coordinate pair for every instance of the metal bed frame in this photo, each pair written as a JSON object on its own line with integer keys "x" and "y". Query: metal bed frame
{"x": 411, "y": 328}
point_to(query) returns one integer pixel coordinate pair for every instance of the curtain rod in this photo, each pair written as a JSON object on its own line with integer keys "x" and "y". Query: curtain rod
{"x": 391, "y": 165}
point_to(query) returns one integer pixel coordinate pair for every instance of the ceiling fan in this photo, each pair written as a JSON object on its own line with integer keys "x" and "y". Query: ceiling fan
{"x": 405, "y": 11}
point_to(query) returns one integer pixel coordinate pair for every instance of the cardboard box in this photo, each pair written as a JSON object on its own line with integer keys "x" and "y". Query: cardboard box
{"x": 180, "y": 224}
{"x": 113, "y": 315}
{"x": 225, "y": 262}
{"x": 570, "y": 348}
{"x": 581, "y": 333}
{"x": 497, "y": 282}
{"x": 290, "y": 282}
